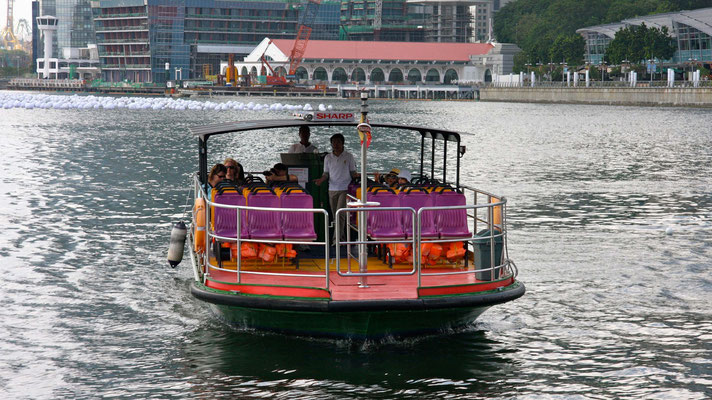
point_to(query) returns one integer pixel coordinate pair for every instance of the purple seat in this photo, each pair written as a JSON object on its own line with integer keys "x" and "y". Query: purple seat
{"x": 351, "y": 189}
{"x": 226, "y": 218}
{"x": 451, "y": 223}
{"x": 416, "y": 200}
{"x": 297, "y": 225}
{"x": 264, "y": 225}
{"x": 385, "y": 224}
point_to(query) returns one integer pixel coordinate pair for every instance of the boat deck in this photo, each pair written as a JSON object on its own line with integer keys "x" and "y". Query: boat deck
{"x": 290, "y": 280}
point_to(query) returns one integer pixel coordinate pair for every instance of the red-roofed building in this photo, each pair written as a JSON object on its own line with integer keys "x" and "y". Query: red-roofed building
{"x": 390, "y": 63}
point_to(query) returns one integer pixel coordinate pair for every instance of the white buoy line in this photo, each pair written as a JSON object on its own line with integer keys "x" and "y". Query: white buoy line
{"x": 30, "y": 101}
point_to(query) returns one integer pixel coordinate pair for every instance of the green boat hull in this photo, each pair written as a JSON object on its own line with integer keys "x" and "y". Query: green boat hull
{"x": 353, "y": 320}
{"x": 353, "y": 325}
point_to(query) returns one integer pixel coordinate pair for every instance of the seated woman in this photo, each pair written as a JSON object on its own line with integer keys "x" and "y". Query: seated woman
{"x": 235, "y": 172}
{"x": 278, "y": 173}
{"x": 216, "y": 175}
{"x": 404, "y": 178}
{"x": 390, "y": 179}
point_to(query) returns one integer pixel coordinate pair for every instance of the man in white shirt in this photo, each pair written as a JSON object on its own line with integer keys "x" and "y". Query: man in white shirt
{"x": 339, "y": 169}
{"x": 303, "y": 146}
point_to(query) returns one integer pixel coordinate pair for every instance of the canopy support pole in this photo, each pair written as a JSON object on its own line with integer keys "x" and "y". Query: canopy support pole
{"x": 362, "y": 217}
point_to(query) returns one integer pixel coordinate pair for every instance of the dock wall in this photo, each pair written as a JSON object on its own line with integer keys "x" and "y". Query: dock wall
{"x": 641, "y": 96}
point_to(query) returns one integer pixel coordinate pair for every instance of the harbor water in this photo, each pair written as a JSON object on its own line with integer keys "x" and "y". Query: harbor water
{"x": 610, "y": 218}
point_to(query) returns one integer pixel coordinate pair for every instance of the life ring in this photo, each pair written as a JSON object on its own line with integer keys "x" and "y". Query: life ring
{"x": 199, "y": 225}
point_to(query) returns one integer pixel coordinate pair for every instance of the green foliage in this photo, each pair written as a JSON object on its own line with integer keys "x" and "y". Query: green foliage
{"x": 12, "y": 72}
{"x": 537, "y": 25}
{"x": 10, "y": 60}
{"x": 615, "y": 71}
{"x": 568, "y": 48}
{"x": 638, "y": 43}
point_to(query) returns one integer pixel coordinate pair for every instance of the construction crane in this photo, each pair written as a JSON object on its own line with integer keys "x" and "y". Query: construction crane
{"x": 274, "y": 79}
{"x": 9, "y": 40}
{"x": 300, "y": 46}
{"x": 300, "y": 42}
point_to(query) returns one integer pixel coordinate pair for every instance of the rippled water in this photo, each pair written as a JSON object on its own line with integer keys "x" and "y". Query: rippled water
{"x": 615, "y": 308}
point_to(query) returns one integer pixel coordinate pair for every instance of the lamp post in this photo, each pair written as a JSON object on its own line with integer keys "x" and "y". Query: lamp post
{"x": 563, "y": 66}
{"x": 539, "y": 69}
{"x": 603, "y": 72}
{"x": 693, "y": 63}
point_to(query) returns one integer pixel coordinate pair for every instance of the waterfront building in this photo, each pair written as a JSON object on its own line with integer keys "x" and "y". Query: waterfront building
{"x": 71, "y": 62}
{"x": 370, "y": 20}
{"x": 72, "y": 48}
{"x": 418, "y": 20}
{"x": 338, "y": 62}
{"x": 35, "y": 34}
{"x": 465, "y": 21}
{"x": 160, "y": 40}
{"x": 691, "y": 31}
{"x": 74, "y": 24}
{"x": 153, "y": 41}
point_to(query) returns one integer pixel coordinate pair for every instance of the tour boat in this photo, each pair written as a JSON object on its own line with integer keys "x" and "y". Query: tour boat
{"x": 423, "y": 258}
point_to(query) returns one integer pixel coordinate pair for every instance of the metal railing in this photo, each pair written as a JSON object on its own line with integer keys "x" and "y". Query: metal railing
{"x": 494, "y": 233}
{"x": 491, "y": 215}
{"x": 374, "y": 241}
{"x": 581, "y": 84}
{"x": 238, "y": 239}
{"x": 494, "y": 219}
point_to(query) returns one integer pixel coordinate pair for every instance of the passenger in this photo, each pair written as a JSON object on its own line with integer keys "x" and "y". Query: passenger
{"x": 404, "y": 178}
{"x": 235, "y": 172}
{"x": 217, "y": 174}
{"x": 278, "y": 173}
{"x": 339, "y": 169}
{"x": 303, "y": 146}
{"x": 390, "y": 179}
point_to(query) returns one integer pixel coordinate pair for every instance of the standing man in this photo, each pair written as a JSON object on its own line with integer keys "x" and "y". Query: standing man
{"x": 304, "y": 146}
{"x": 339, "y": 169}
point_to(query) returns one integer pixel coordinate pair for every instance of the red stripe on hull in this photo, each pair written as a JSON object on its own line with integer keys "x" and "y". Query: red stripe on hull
{"x": 270, "y": 290}
{"x": 461, "y": 289}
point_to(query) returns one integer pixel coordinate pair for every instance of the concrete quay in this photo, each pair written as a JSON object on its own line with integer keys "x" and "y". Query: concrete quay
{"x": 629, "y": 96}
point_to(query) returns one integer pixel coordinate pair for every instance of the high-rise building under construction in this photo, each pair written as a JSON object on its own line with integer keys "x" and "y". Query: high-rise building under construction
{"x": 159, "y": 40}
{"x": 154, "y": 40}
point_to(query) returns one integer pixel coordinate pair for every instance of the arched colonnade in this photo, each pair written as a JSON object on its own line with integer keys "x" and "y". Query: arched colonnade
{"x": 378, "y": 74}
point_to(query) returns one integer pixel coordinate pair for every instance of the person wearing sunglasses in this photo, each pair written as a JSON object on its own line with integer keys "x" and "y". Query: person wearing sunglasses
{"x": 235, "y": 172}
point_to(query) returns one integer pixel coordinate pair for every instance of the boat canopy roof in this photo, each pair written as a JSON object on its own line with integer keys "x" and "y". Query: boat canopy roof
{"x": 432, "y": 134}
{"x": 206, "y": 131}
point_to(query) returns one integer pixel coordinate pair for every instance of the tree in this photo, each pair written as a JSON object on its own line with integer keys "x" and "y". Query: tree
{"x": 535, "y": 25}
{"x": 568, "y": 48}
{"x": 638, "y": 43}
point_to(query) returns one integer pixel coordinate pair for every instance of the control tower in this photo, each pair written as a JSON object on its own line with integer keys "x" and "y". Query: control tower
{"x": 48, "y": 25}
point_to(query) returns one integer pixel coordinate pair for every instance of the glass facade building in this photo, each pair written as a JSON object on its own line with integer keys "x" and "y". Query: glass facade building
{"x": 35, "y": 34}
{"x": 691, "y": 32}
{"x": 692, "y": 44}
{"x": 75, "y": 28}
{"x": 137, "y": 38}
{"x": 363, "y": 20}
